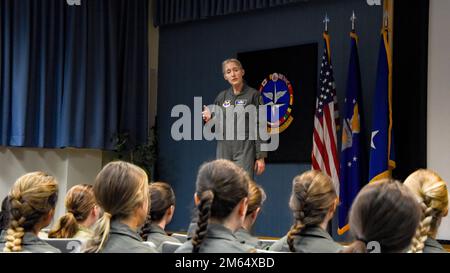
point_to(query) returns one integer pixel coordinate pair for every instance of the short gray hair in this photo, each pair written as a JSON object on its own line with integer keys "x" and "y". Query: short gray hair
{"x": 232, "y": 60}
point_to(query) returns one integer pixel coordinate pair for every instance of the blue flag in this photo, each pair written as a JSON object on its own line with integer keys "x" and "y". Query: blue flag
{"x": 382, "y": 141}
{"x": 351, "y": 150}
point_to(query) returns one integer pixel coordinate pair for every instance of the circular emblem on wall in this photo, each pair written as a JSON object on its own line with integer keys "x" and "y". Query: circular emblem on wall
{"x": 278, "y": 95}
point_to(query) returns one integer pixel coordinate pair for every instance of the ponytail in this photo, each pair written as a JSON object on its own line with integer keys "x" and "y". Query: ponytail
{"x": 101, "y": 234}
{"x": 66, "y": 227}
{"x": 120, "y": 188}
{"x": 358, "y": 246}
{"x": 204, "y": 212}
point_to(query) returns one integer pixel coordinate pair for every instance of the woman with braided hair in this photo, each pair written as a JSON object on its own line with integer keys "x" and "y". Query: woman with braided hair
{"x": 121, "y": 190}
{"x": 162, "y": 209}
{"x": 82, "y": 213}
{"x": 431, "y": 193}
{"x": 32, "y": 202}
{"x": 386, "y": 214}
{"x": 221, "y": 199}
{"x": 313, "y": 202}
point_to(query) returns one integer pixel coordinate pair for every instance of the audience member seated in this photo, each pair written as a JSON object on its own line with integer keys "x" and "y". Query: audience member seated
{"x": 431, "y": 192}
{"x": 32, "y": 202}
{"x": 384, "y": 215}
{"x": 162, "y": 209}
{"x": 82, "y": 213}
{"x": 256, "y": 197}
{"x": 313, "y": 202}
{"x": 121, "y": 190}
{"x": 221, "y": 198}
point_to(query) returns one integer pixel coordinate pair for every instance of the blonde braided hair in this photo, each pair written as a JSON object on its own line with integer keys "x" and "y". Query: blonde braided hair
{"x": 431, "y": 193}
{"x": 313, "y": 195}
{"x": 32, "y": 197}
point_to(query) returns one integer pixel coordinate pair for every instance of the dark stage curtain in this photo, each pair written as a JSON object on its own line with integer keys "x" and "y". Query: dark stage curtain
{"x": 73, "y": 75}
{"x": 177, "y": 11}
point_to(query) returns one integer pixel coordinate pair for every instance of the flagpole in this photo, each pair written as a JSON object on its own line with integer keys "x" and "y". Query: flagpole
{"x": 389, "y": 56}
{"x": 388, "y": 7}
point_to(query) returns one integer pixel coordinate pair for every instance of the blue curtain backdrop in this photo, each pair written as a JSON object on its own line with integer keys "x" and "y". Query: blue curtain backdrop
{"x": 73, "y": 75}
{"x": 177, "y": 11}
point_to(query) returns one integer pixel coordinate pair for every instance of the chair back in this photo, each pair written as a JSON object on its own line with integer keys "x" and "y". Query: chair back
{"x": 170, "y": 247}
{"x": 181, "y": 237}
{"x": 66, "y": 245}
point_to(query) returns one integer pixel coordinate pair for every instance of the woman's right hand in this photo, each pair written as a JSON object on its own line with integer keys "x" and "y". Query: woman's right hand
{"x": 206, "y": 114}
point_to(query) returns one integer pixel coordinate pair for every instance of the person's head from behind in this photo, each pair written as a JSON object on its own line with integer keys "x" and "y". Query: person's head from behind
{"x": 233, "y": 72}
{"x": 313, "y": 202}
{"x": 82, "y": 210}
{"x": 221, "y": 197}
{"x": 384, "y": 212}
{"x": 162, "y": 202}
{"x": 121, "y": 190}
{"x": 162, "y": 206}
{"x": 431, "y": 193}
{"x": 4, "y": 214}
{"x": 32, "y": 202}
{"x": 256, "y": 198}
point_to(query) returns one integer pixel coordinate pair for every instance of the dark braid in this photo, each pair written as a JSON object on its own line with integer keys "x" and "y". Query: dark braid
{"x": 294, "y": 231}
{"x": 220, "y": 186}
{"x": 204, "y": 211}
{"x": 145, "y": 230}
{"x": 298, "y": 201}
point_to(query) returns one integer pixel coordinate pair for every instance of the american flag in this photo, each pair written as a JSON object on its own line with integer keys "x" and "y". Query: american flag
{"x": 324, "y": 154}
